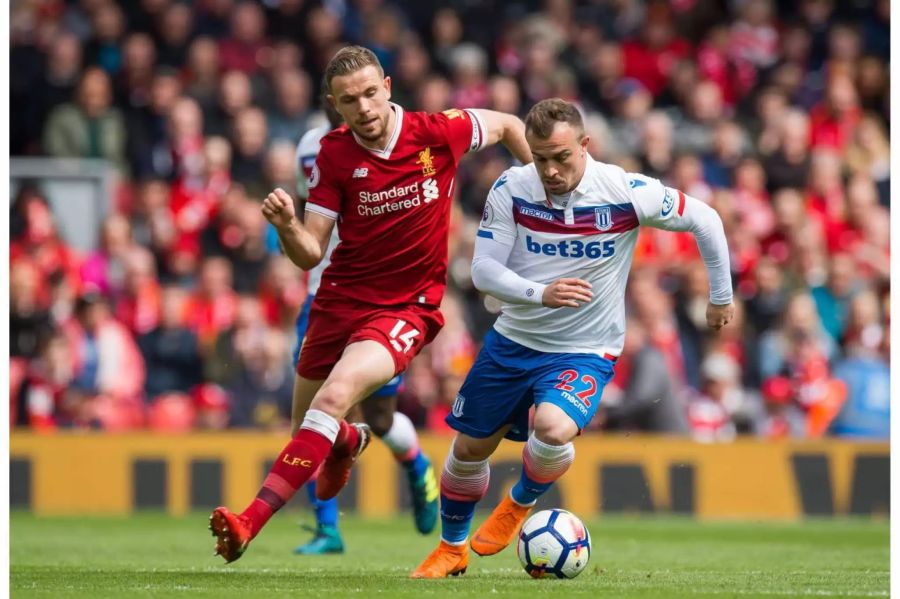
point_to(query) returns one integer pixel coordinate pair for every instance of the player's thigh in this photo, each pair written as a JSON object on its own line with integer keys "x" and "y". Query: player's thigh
{"x": 473, "y": 449}
{"x": 378, "y": 413}
{"x": 567, "y": 394}
{"x": 304, "y": 391}
{"x": 364, "y": 367}
{"x": 494, "y": 396}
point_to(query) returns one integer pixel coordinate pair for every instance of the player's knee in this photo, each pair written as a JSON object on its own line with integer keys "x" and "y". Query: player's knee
{"x": 334, "y": 398}
{"x": 555, "y": 431}
{"x": 467, "y": 449}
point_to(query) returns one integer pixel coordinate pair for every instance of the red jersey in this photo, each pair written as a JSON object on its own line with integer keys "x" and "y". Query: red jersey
{"x": 392, "y": 206}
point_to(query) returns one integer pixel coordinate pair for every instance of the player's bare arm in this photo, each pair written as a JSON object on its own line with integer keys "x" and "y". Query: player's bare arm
{"x": 304, "y": 243}
{"x": 507, "y": 129}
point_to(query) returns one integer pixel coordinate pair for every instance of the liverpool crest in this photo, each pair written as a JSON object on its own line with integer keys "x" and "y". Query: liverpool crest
{"x": 427, "y": 162}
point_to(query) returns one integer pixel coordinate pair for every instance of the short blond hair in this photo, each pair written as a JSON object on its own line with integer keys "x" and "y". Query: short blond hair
{"x": 350, "y": 59}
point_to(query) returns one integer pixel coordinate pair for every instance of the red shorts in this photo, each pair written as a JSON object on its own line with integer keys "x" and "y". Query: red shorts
{"x": 336, "y": 323}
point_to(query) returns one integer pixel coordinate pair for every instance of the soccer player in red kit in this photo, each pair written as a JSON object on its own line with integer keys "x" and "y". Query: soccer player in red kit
{"x": 388, "y": 176}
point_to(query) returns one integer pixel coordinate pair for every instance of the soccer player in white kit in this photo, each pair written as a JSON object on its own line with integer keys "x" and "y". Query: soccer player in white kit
{"x": 555, "y": 244}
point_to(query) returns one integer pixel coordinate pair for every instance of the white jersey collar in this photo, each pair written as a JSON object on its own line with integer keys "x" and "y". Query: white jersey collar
{"x": 587, "y": 178}
{"x": 386, "y": 152}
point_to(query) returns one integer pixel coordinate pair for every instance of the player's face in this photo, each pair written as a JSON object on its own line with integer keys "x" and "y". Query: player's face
{"x": 361, "y": 98}
{"x": 560, "y": 159}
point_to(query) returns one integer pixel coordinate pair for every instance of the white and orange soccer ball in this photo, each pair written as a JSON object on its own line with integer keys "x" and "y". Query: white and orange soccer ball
{"x": 554, "y": 543}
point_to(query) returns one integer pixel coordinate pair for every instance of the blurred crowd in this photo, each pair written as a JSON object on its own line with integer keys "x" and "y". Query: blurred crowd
{"x": 775, "y": 112}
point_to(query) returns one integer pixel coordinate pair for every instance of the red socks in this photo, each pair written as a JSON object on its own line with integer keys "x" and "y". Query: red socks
{"x": 296, "y": 464}
{"x": 347, "y": 440}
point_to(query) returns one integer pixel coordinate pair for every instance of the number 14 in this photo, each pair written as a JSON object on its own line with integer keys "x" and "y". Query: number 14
{"x": 406, "y": 338}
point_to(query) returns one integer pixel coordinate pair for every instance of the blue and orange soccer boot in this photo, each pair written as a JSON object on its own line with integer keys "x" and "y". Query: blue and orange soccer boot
{"x": 500, "y": 528}
{"x": 424, "y": 492}
{"x": 326, "y": 540}
{"x": 446, "y": 560}
{"x": 232, "y": 533}
{"x": 335, "y": 472}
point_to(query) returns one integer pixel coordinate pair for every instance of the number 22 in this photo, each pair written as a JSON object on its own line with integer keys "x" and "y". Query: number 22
{"x": 567, "y": 376}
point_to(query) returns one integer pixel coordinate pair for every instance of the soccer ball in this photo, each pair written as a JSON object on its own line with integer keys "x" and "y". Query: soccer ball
{"x": 554, "y": 542}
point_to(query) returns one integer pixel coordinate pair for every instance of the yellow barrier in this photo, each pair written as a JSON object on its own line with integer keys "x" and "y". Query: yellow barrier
{"x": 75, "y": 473}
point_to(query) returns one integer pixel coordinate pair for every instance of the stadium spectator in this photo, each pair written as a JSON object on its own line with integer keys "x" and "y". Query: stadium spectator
{"x": 149, "y": 152}
{"x": 201, "y": 73}
{"x": 29, "y": 318}
{"x": 34, "y": 236}
{"x": 642, "y": 396}
{"x": 42, "y": 403}
{"x": 102, "y": 349}
{"x": 260, "y": 390}
{"x": 104, "y": 269}
{"x": 245, "y": 48}
{"x": 800, "y": 330}
{"x": 108, "y": 27}
{"x": 710, "y": 412}
{"x": 866, "y": 412}
{"x": 135, "y": 78}
{"x": 869, "y": 155}
{"x": 138, "y": 305}
{"x": 170, "y": 351}
{"x": 728, "y": 148}
{"x": 247, "y": 329}
{"x": 57, "y": 86}
{"x": 785, "y": 142}
{"x": 649, "y": 58}
{"x": 288, "y": 120}
{"x": 833, "y": 298}
{"x": 212, "y": 307}
{"x": 90, "y": 127}
{"x": 249, "y": 138}
{"x": 176, "y": 26}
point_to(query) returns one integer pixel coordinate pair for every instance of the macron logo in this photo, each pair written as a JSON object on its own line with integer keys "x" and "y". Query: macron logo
{"x": 360, "y": 173}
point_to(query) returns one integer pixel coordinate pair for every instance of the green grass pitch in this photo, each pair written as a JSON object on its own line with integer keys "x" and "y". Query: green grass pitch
{"x": 151, "y": 555}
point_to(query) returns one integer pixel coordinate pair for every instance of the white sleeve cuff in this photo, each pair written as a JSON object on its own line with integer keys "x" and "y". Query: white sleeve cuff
{"x": 322, "y": 210}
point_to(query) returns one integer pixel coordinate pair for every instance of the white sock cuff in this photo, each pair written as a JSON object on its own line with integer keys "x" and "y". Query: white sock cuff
{"x": 402, "y": 435}
{"x": 322, "y": 423}
{"x": 465, "y": 481}
{"x": 459, "y": 467}
{"x": 549, "y": 452}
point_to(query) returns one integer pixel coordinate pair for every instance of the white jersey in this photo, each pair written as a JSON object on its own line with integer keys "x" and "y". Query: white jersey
{"x": 591, "y": 236}
{"x": 307, "y": 150}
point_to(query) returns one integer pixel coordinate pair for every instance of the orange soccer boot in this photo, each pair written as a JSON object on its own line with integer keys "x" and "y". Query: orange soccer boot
{"x": 500, "y": 528}
{"x": 446, "y": 560}
{"x": 232, "y": 532}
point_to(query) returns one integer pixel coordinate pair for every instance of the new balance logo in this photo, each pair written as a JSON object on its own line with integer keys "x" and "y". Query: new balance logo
{"x": 360, "y": 173}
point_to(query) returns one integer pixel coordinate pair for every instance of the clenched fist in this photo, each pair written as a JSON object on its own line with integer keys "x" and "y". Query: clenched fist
{"x": 278, "y": 208}
{"x": 567, "y": 293}
{"x": 717, "y": 316}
